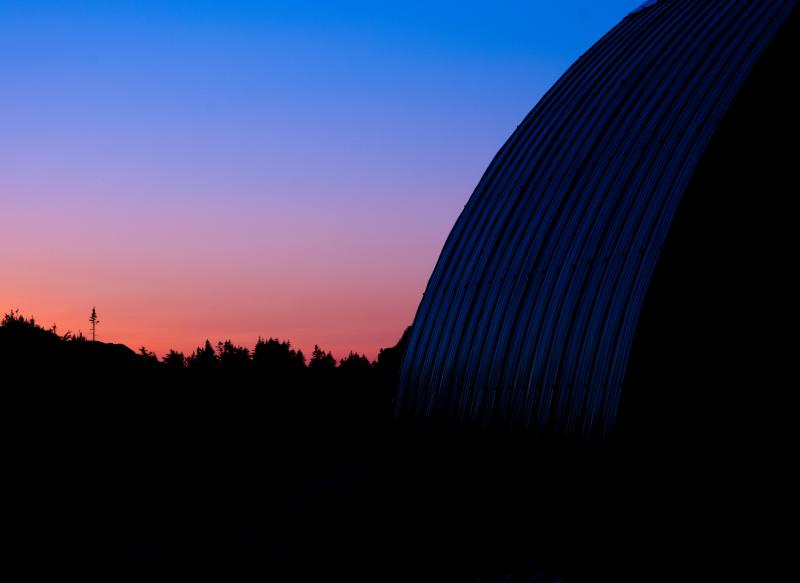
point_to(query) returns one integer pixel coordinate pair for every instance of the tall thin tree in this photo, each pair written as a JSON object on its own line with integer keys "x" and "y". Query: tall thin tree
{"x": 94, "y": 322}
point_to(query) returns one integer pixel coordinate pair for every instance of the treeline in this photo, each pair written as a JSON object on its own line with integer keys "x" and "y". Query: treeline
{"x": 272, "y": 388}
{"x": 270, "y": 355}
{"x": 23, "y": 341}
{"x": 224, "y": 397}
{"x": 184, "y": 454}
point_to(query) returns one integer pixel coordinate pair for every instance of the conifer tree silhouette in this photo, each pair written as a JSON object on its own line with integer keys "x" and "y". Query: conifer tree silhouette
{"x": 321, "y": 360}
{"x": 94, "y": 322}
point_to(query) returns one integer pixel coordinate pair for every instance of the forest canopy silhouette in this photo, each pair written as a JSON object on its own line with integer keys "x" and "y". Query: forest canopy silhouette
{"x": 269, "y": 389}
{"x": 23, "y": 341}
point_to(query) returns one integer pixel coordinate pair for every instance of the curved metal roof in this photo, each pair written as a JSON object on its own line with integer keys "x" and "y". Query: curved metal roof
{"x": 529, "y": 316}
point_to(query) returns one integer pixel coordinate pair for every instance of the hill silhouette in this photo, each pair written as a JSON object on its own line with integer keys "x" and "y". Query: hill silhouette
{"x": 239, "y": 464}
{"x": 27, "y": 346}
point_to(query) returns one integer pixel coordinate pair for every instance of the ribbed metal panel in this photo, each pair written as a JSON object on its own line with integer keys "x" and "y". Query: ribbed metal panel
{"x": 529, "y": 316}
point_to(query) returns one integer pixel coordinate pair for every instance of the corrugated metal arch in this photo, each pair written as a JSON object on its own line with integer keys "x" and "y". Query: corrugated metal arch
{"x": 529, "y": 316}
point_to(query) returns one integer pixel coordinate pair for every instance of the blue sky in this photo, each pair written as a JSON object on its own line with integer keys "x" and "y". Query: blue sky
{"x": 304, "y": 160}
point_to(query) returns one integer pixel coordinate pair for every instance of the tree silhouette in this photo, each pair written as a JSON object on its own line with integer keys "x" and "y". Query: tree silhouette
{"x": 233, "y": 357}
{"x": 148, "y": 355}
{"x": 94, "y": 322}
{"x": 203, "y": 359}
{"x": 321, "y": 360}
{"x": 275, "y": 358}
{"x": 354, "y": 363}
{"x": 174, "y": 360}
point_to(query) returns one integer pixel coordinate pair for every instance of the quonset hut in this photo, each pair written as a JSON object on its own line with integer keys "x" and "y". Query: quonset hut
{"x": 619, "y": 244}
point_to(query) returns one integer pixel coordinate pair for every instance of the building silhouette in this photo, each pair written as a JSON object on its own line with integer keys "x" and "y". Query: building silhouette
{"x": 621, "y": 251}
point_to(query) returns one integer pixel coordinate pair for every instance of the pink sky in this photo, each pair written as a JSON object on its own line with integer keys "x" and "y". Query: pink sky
{"x": 226, "y": 170}
{"x": 346, "y": 281}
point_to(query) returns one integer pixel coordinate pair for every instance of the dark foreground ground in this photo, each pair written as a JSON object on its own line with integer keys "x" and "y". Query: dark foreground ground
{"x": 116, "y": 468}
{"x": 127, "y": 484}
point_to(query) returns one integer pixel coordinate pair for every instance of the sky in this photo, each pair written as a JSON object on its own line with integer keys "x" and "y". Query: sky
{"x": 231, "y": 169}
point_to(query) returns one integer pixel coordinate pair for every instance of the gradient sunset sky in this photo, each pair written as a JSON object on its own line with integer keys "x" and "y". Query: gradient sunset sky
{"x": 230, "y": 169}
